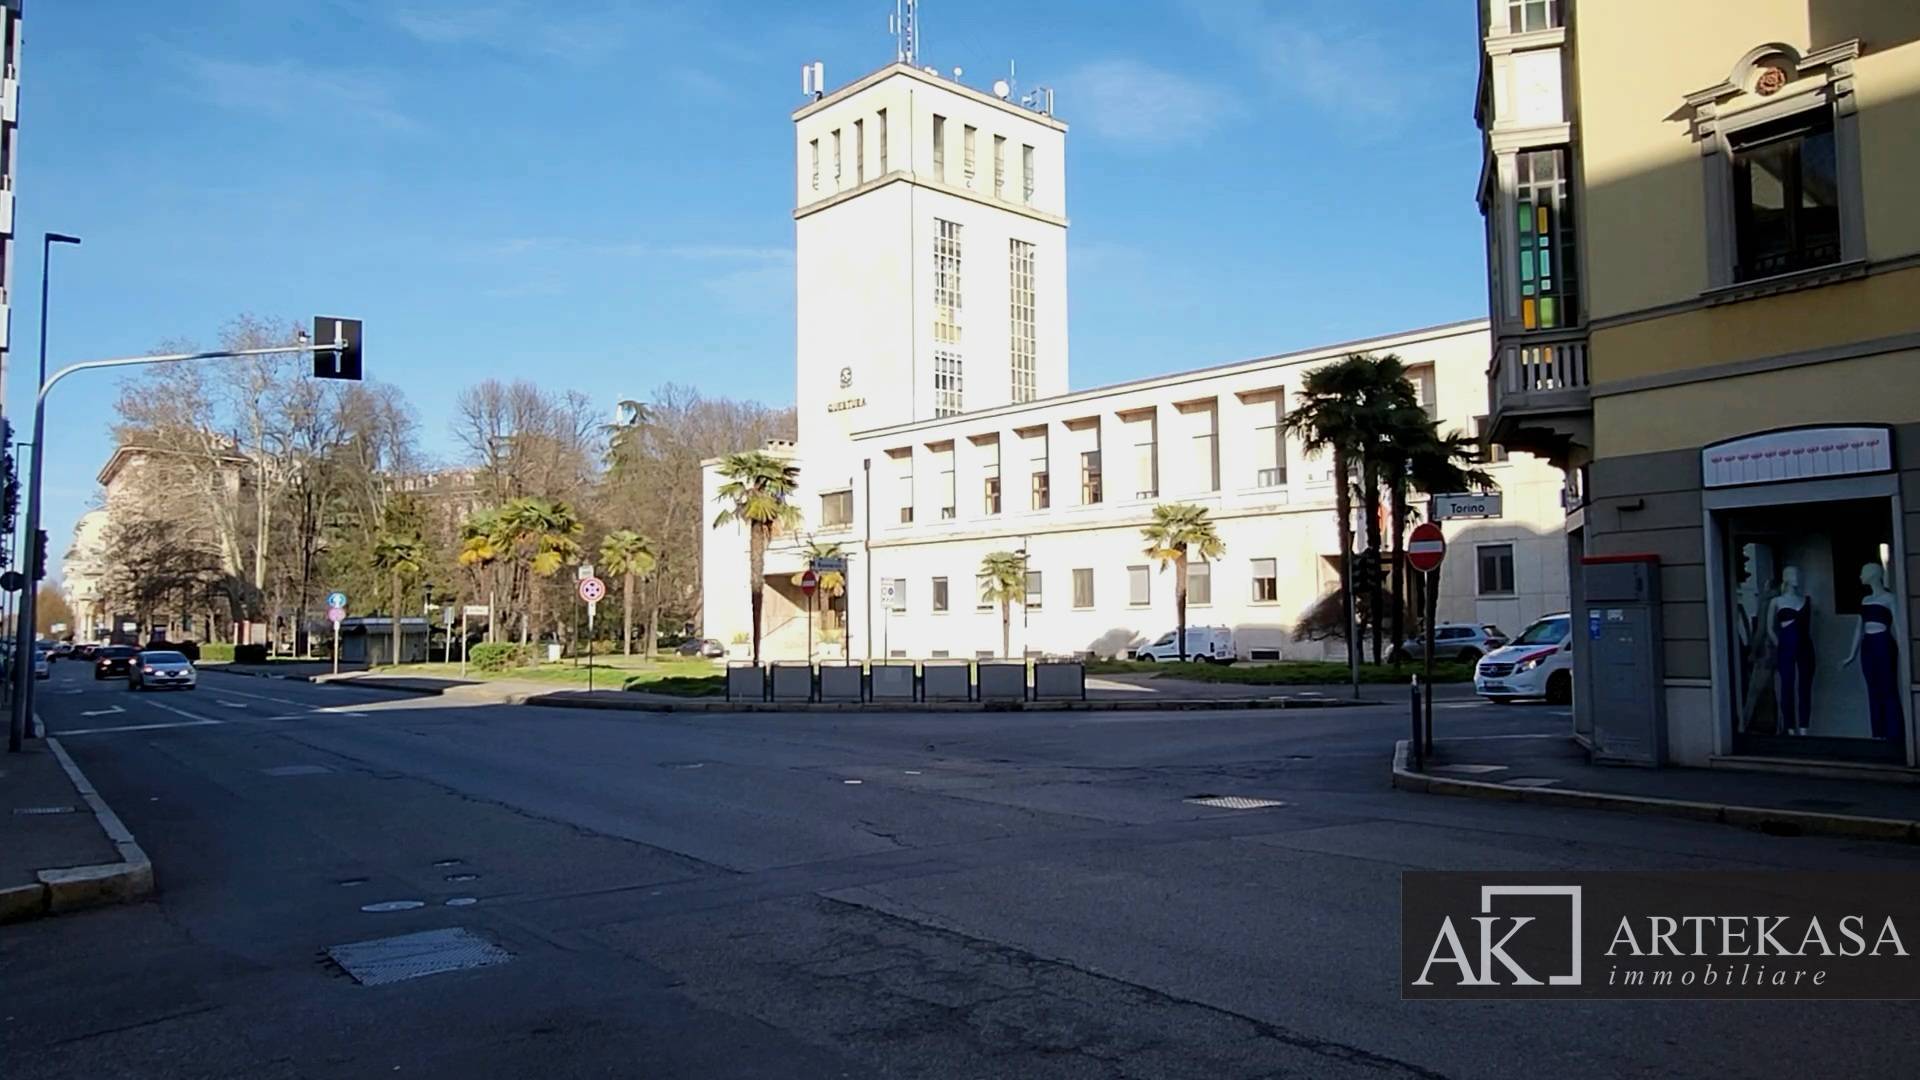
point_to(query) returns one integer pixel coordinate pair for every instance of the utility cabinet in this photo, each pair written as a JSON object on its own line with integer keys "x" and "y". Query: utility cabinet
{"x": 1622, "y": 638}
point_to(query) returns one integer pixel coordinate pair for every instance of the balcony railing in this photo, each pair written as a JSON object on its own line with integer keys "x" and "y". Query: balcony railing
{"x": 1534, "y": 379}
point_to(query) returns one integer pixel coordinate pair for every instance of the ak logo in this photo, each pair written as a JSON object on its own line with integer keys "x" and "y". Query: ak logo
{"x": 1479, "y": 950}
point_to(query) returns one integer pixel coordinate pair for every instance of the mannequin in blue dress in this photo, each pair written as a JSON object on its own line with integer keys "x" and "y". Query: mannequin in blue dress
{"x": 1874, "y": 646}
{"x": 1790, "y": 625}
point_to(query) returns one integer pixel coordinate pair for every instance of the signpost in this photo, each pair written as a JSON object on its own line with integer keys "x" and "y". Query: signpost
{"x": 889, "y": 593}
{"x": 592, "y": 590}
{"x": 1426, "y": 549}
{"x": 465, "y": 613}
{"x": 1466, "y": 506}
{"x": 809, "y": 581}
{"x": 335, "y": 613}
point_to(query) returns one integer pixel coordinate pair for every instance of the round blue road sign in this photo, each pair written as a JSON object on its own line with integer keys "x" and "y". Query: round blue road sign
{"x": 336, "y": 599}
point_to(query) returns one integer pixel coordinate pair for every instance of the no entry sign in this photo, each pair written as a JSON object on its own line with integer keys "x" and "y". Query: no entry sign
{"x": 1426, "y": 547}
{"x": 809, "y": 581}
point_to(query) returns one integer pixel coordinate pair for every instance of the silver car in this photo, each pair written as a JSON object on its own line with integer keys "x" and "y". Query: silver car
{"x": 153, "y": 670}
{"x": 1465, "y": 642}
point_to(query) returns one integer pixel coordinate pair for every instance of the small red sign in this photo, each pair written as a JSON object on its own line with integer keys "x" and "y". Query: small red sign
{"x": 809, "y": 581}
{"x": 1426, "y": 547}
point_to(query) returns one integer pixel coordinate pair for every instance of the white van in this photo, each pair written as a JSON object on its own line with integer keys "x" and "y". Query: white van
{"x": 1212, "y": 643}
{"x": 1538, "y": 664}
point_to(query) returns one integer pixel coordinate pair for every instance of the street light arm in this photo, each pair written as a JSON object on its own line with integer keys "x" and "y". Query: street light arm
{"x": 174, "y": 358}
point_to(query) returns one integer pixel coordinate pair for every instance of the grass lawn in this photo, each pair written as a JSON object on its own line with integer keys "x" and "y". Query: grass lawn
{"x": 1281, "y": 673}
{"x": 689, "y": 677}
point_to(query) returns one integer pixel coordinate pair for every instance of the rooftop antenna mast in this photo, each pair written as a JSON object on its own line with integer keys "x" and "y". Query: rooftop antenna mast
{"x": 906, "y": 31}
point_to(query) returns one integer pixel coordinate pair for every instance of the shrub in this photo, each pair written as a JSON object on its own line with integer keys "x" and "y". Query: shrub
{"x": 215, "y": 651}
{"x": 497, "y": 656}
{"x": 249, "y": 654}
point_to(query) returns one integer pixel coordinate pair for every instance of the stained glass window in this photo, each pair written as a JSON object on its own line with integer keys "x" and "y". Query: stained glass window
{"x": 1548, "y": 296}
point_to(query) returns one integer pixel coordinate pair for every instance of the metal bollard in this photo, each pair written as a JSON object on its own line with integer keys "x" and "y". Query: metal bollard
{"x": 1419, "y": 742}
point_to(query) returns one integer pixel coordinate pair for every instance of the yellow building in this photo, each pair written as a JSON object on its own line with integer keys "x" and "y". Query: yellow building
{"x": 1703, "y": 227}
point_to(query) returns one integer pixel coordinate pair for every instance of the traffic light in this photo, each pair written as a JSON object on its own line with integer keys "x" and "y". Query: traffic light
{"x": 39, "y": 554}
{"x": 336, "y": 363}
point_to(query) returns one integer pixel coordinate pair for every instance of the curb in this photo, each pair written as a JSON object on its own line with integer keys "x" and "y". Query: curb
{"x": 565, "y": 701}
{"x": 347, "y": 677}
{"x": 77, "y": 887}
{"x": 1763, "y": 818}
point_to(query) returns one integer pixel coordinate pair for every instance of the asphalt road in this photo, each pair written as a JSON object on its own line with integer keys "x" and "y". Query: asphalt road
{"x": 947, "y": 895}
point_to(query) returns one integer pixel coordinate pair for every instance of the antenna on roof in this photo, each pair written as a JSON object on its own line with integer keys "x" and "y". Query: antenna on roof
{"x": 906, "y": 32}
{"x": 813, "y": 80}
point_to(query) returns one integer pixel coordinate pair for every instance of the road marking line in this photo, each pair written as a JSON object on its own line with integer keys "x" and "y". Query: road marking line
{"x": 104, "y": 712}
{"x": 265, "y": 697}
{"x": 185, "y": 713}
{"x": 142, "y": 727}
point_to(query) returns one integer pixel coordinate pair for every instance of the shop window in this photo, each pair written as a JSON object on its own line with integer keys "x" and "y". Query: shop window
{"x": 1815, "y": 619}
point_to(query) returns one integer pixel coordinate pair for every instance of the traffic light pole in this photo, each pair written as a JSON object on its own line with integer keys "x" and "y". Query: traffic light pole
{"x": 34, "y": 567}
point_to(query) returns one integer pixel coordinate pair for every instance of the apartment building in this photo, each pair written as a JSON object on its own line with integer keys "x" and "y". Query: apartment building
{"x": 936, "y": 425}
{"x": 1704, "y": 274}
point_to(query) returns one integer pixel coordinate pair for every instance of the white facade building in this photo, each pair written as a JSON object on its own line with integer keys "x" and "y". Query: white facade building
{"x": 935, "y": 425}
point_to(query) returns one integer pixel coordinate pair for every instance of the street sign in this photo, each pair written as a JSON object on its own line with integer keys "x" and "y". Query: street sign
{"x": 336, "y": 348}
{"x": 477, "y": 611}
{"x": 889, "y": 592}
{"x": 1426, "y": 546}
{"x": 809, "y": 581}
{"x": 829, "y": 564}
{"x": 1480, "y": 504}
{"x": 12, "y": 580}
{"x": 583, "y": 572}
{"x": 335, "y": 615}
{"x": 592, "y": 590}
{"x": 337, "y": 599}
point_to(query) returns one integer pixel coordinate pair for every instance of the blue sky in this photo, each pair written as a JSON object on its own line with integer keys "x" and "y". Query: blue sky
{"x": 596, "y": 193}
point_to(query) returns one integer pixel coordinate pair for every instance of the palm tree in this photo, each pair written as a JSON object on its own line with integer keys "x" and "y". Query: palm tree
{"x": 1003, "y": 577}
{"x": 481, "y": 547}
{"x": 1385, "y": 396}
{"x": 756, "y": 495}
{"x": 541, "y": 535}
{"x": 628, "y": 554}
{"x": 399, "y": 555}
{"x": 1329, "y": 416}
{"x": 1178, "y": 531}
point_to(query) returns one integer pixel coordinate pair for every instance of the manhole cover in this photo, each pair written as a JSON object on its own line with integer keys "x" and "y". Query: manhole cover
{"x": 393, "y": 905}
{"x": 1234, "y": 802}
{"x": 297, "y": 770}
{"x": 409, "y": 956}
{"x": 43, "y": 809}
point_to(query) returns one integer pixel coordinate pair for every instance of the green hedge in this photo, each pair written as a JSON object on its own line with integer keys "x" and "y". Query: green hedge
{"x": 498, "y": 656}
{"x": 212, "y": 651}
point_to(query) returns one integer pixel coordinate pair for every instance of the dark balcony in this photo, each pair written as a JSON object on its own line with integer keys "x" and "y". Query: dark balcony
{"x": 1538, "y": 394}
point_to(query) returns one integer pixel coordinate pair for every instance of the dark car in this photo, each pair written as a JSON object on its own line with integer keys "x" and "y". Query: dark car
{"x": 84, "y": 650}
{"x": 112, "y": 661}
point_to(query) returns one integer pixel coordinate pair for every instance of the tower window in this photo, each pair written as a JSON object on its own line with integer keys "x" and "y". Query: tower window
{"x": 999, "y": 167}
{"x": 968, "y": 137}
{"x": 883, "y": 142}
{"x": 1548, "y": 297}
{"x": 1022, "y": 349}
{"x": 946, "y": 282}
{"x": 940, "y": 147}
{"x": 859, "y": 151}
{"x": 836, "y": 159}
{"x": 813, "y": 151}
{"x": 1026, "y": 174}
{"x": 947, "y": 397}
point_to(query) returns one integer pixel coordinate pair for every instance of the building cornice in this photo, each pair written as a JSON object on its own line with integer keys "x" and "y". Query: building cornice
{"x": 908, "y": 71}
{"x": 901, "y": 176}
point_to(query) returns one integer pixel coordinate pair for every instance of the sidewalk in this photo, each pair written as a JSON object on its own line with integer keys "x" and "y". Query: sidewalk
{"x": 61, "y": 847}
{"x": 1553, "y": 769}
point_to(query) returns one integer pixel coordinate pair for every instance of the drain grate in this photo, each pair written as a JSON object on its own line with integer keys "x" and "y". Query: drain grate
{"x": 410, "y": 956}
{"x": 1234, "y": 802}
{"x": 36, "y": 810}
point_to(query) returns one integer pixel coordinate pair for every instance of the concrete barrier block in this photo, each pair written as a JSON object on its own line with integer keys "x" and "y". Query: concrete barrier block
{"x": 793, "y": 682}
{"x": 947, "y": 682}
{"x": 893, "y": 682}
{"x": 840, "y": 682}
{"x": 1059, "y": 680}
{"x": 1005, "y": 681}
{"x": 746, "y": 682}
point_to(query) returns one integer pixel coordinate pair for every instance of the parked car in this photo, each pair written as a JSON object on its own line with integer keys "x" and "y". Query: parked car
{"x": 62, "y": 648}
{"x": 1210, "y": 643}
{"x": 113, "y": 661}
{"x": 84, "y": 650}
{"x": 160, "y": 669}
{"x": 1537, "y": 664}
{"x": 707, "y": 647}
{"x": 42, "y": 663}
{"x": 1465, "y": 642}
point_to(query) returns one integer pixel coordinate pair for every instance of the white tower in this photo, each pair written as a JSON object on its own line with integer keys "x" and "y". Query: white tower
{"x": 930, "y": 247}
